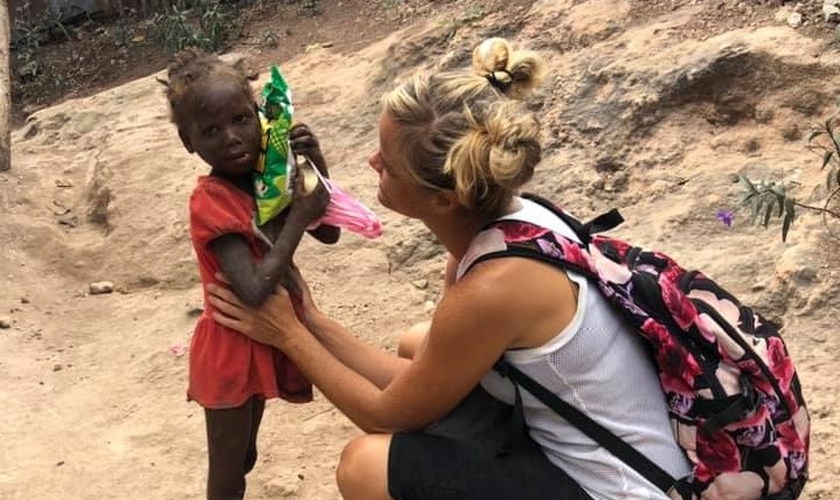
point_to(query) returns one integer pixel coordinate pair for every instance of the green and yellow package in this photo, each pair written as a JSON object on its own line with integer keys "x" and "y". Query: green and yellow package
{"x": 273, "y": 175}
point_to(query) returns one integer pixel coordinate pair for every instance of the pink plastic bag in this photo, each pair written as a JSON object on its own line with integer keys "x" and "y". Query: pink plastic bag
{"x": 347, "y": 213}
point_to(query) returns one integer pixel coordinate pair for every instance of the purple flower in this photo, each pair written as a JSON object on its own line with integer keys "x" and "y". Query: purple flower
{"x": 725, "y": 217}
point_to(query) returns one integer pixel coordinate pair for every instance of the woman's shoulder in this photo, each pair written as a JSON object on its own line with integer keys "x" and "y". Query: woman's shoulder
{"x": 508, "y": 280}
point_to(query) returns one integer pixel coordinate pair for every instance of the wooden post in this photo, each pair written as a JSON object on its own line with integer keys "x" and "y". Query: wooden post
{"x": 5, "y": 90}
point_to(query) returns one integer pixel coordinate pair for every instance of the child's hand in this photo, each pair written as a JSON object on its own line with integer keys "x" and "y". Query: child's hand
{"x": 305, "y": 143}
{"x": 310, "y": 206}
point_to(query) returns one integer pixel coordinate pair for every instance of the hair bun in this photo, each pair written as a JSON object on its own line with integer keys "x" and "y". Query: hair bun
{"x": 491, "y": 55}
{"x": 514, "y": 73}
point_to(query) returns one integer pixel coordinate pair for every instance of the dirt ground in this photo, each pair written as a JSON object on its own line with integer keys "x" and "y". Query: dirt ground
{"x": 650, "y": 106}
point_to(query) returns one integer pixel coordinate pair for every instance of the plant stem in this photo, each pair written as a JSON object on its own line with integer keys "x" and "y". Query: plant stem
{"x": 833, "y": 139}
{"x": 818, "y": 209}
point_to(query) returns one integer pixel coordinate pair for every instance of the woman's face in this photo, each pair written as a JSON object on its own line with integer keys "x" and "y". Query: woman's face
{"x": 396, "y": 190}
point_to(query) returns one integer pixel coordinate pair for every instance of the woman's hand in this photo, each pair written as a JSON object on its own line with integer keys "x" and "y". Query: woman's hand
{"x": 274, "y": 323}
{"x": 298, "y": 286}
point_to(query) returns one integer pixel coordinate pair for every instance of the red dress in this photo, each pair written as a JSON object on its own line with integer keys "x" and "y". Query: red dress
{"x": 226, "y": 367}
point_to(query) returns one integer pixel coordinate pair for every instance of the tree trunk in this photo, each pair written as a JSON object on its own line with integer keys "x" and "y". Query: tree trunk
{"x": 5, "y": 90}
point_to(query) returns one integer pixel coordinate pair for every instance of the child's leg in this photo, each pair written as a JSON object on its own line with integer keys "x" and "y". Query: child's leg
{"x": 256, "y": 419}
{"x": 231, "y": 446}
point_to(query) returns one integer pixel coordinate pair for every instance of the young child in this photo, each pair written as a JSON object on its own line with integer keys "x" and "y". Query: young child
{"x": 230, "y": 375}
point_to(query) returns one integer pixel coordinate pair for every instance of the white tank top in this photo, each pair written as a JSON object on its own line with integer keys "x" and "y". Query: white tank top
{"x": 599, "y": 365}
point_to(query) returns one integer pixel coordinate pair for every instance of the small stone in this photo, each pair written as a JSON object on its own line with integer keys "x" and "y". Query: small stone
{"x": 782, "y": 14}
{"x": 63, "y": 183}
{"x": 831, "y": 13}
{"x": 421, "y": 284}
{"x": 101, "y": 287}
{"x": 429, "y": 306}
{"x": 794, "y": 20}
{"x": 24, "y": 300}
{"x": 59, "y": 463}
{"x": 5, "y": 322}
{"x": 57, "y": 367}
{"x": 193, "y": 311}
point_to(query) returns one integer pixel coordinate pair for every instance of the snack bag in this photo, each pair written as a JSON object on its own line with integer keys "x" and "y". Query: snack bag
{"x": 343, "y": 211}
{"x": 277, "y": 170}
{"x": 273, "y": 175}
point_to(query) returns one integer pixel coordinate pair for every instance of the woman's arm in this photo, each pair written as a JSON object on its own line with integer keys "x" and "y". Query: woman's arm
{"x": 475, "y": 322}
{"x": 425, "y": 390}
{"x": 376, "y": 365}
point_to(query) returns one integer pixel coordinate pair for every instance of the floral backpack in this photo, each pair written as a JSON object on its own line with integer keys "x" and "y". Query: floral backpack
{"x": 733, "y": 397}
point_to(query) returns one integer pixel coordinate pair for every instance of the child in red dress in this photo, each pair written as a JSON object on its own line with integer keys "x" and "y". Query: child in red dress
{"x": 230, "y": 375}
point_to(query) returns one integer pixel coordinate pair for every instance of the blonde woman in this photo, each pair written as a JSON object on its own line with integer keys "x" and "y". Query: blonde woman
{"x": 454, "y": 149}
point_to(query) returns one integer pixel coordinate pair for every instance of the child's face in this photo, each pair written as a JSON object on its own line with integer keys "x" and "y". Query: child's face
{"x": 222, "y": 126}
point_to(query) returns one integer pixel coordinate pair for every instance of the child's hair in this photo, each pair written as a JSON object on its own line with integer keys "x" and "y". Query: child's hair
{"x": 465, "y": 129}
{"x": 189, "y": 69}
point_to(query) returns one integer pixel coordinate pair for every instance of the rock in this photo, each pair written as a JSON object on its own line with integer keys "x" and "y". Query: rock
{"x": 421, "y": 284}
{"x": 5, "y": 322}
{"x": 794, "y": 20}
{"x": 429, "y": 306}
{"x": 24, "y": 300}
{"x": 276, "y": 488}
{"x": 57, "y": 367}
{"x": 63, "y": 183}
{"x": 101, "y": 287}
{"x": 831, "y": 12}
{"x": 783, "y": 14}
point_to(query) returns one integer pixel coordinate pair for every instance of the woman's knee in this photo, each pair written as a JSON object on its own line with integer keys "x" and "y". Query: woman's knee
{"x": 362, "y": 471}
{"x": 411, "y": 339}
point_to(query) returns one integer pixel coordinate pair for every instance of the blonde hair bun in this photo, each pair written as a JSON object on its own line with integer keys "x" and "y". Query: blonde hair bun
{"x": 516, "y": 73}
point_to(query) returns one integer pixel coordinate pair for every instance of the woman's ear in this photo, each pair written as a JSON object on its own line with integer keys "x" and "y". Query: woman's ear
{"x": 445, "y": 199}
{"x": 185, "y": 141}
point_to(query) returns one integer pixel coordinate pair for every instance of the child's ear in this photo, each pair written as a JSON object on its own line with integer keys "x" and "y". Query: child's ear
{"x": 185, "y": 141}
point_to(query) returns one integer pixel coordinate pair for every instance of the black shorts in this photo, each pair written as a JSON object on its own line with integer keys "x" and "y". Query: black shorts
{"x": 467, "y": 456}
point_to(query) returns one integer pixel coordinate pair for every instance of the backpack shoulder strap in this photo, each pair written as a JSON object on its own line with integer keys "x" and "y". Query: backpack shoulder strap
{"x": 584, "y": 231}
{"x": 595, "y": 431}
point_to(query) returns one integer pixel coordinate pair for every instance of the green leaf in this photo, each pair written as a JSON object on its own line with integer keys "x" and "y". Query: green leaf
{"x": 748, "y": 184}
{"x": 768, "y": 212}
{"x": 786, "y": 225}
{"x": 790, "y": 214}
{"x": 826, "y": 158}
{"x": 814, "y": 134}
{"x": 756, "y": 209}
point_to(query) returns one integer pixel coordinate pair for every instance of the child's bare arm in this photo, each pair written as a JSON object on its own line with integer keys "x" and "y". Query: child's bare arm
{"x": 305, "y": 143}
{"x": 254, "y": 282}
